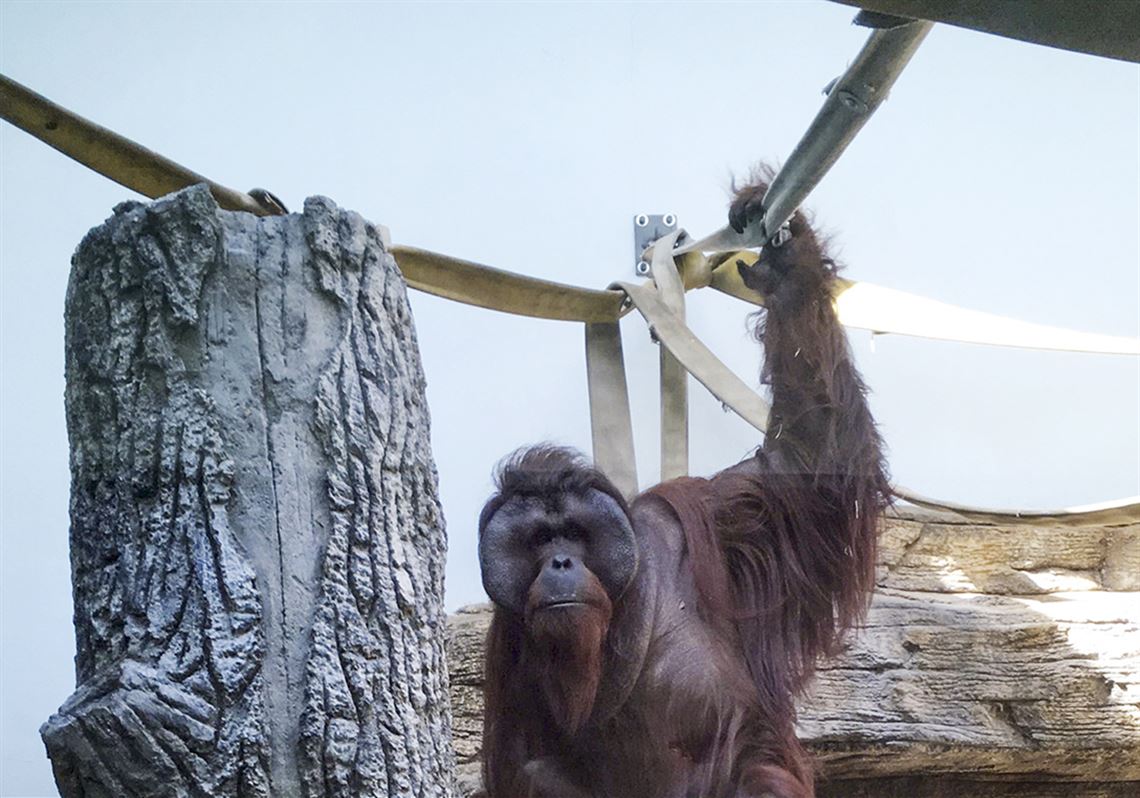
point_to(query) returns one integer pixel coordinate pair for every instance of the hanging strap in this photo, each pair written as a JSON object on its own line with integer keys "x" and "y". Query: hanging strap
{"x": 673, "y": 377}
{"x": 697, "y": 359}
{"x": 610, "y": 425}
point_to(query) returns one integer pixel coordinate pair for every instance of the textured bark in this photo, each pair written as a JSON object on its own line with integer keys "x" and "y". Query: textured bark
{"x": 994, "y": 662}
{"x": 256, "y": 537}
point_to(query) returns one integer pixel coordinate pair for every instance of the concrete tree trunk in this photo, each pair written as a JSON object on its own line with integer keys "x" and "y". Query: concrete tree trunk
{"x": 256, "y": 538}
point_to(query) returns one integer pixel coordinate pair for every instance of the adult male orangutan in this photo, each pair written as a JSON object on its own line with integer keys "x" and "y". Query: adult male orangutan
{"x": 653, "y": 649}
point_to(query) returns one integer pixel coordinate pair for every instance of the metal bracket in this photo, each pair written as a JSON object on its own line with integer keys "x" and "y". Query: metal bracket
{"x": 647, "y": 228}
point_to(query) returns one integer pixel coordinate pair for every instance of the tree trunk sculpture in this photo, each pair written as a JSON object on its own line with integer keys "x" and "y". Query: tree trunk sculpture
{"x": 256, "y": 538}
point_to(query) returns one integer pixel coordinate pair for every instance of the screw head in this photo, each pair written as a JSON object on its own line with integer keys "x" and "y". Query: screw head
{"x": 851, "y": 101}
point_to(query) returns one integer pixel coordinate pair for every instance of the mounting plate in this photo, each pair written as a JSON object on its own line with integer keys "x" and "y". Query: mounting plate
{"x": 647, "y": 228}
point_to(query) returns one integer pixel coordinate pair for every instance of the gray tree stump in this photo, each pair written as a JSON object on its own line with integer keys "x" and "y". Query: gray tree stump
{"x": 256, "y": 538}
{"x": 994, "y": 662}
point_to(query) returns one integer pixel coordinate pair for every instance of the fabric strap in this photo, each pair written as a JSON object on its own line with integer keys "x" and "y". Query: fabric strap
{"x": 611, "y": 426}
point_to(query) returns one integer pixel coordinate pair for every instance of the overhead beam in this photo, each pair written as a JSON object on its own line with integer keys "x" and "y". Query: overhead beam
{"x": 1109, "y": 28}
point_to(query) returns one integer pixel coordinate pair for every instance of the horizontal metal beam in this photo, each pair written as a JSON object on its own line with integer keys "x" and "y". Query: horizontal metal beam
{"x": 1109, "y": 28}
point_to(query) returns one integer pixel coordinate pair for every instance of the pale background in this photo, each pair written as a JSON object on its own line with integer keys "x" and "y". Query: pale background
{"x": 1000, "y": 176}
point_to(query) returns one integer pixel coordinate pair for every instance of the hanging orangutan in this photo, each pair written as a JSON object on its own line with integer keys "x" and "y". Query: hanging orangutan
{"x": 654, "y": 649}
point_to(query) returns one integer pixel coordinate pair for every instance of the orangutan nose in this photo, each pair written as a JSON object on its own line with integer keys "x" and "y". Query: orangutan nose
{"x": 563, "y": 578}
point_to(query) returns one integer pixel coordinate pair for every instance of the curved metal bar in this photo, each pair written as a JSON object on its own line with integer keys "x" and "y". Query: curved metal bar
{"x": 495, "y": 289}
{"x": 885, "y": 311}
{"x": 1113, "y": 513}
{"x": 111, "y": 155}
{"x": 733, "y": 393}
{"x": 849, "y": 104}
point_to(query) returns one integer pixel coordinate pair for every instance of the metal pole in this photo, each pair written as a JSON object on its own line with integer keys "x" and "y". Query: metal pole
{"x": 849, "y": 104}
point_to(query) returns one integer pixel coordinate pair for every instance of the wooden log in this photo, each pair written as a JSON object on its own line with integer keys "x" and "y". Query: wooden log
{"x": 256, "y": 537}
{"x": 995, "y": 661}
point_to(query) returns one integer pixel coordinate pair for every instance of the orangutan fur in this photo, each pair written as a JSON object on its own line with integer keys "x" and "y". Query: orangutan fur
{"x": 672, "y": 674}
